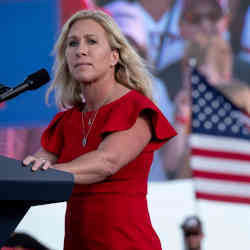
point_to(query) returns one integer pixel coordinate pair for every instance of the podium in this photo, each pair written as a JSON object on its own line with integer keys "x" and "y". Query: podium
{"x": 21, "y": 188}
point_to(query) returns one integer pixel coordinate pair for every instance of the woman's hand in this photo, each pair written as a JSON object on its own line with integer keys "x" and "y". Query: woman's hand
{"x": 37, "y": 163}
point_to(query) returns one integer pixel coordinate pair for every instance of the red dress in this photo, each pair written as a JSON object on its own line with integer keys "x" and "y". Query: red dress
{"x": 111, "y": 214}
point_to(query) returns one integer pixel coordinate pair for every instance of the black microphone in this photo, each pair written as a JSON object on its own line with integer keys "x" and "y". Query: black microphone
{"x": 33, "y": 81}
{"x": 3, "y": 88}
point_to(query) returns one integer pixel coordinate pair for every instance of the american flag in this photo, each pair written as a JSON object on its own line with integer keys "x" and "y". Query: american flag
{"x": 220, "y": 145}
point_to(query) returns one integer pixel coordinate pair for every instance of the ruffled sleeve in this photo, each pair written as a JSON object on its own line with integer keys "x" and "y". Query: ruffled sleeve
{"x": 52, "y": 137}
{"x": 123, "y": 116}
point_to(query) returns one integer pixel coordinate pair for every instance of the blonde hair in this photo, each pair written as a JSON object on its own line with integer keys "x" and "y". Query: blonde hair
{"x": 130, "y": 70}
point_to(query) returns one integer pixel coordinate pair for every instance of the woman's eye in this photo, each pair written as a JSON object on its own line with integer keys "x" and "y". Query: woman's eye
{"x": 72, "y": 43}
{"x": 91, "y": 41}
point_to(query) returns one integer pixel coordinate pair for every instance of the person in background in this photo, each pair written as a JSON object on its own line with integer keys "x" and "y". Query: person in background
{"x": 192, "y": 233}
{"x": 130, "y": 20}
{"x": 205, "y": 17}
{"x": 106, "y": 137}
{"x": 213, "y": 58}
{"x": 204, "y": 26}
{"x": 161, "y": 21}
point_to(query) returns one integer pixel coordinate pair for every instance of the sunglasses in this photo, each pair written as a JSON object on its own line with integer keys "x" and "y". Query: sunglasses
{"x": 197, "y": 18}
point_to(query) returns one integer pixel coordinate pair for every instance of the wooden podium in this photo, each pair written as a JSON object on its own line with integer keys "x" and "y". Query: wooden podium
{"x": 21, "y": 188}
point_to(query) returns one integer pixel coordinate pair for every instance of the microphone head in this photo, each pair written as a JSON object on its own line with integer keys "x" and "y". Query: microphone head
{"x": 38, "y": 79}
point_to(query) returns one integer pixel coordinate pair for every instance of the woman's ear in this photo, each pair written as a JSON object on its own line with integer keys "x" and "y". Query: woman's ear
{"x": 114, "y": 57}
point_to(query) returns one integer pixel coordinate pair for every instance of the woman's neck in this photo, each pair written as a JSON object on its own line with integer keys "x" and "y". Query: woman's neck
{"x": 98, "y": 92}
{"x": 96, "y": 95}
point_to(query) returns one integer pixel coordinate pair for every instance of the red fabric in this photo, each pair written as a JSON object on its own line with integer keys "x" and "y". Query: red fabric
{"x": 111, "y": 214}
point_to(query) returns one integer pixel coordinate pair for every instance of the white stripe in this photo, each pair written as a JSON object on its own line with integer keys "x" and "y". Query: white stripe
{"x": 220, "y": 143}
{"x": 220, "y": 165}
{"x": 221, "y": 187}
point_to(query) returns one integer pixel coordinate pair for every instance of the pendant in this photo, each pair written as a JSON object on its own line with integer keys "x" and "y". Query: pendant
{"x": 89, "y": 122}
{"x": 84, "y": 141}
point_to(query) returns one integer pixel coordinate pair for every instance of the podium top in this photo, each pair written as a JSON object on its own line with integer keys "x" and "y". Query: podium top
{"x": 20, "y": 183}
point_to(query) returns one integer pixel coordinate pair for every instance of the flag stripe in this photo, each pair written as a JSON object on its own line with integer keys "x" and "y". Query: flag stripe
{"x": 221, "y": 176}
{"x": 220, "y": 165}
{"x": 225, "y": 198}
{"x": 220, "y": 143}
{"x": 220, "y": 154}
{"x": 222, "y": 187}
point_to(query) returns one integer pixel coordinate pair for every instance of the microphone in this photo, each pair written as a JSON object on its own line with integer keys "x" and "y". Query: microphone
{"x": 3, "y": 88}
{"x": 32, "y": 82}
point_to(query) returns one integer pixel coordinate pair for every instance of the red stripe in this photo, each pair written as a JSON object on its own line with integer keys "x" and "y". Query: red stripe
{"x": 218, "y": 154}
{"x": 224, "y": 198}
{"x": 221, "y": 176}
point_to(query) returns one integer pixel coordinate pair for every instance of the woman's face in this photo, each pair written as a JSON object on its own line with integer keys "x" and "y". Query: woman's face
{"x": 88, "y": 53}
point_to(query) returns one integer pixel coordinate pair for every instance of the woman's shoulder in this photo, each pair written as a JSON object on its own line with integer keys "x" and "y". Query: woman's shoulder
{"x": 65, "y": 113}
{"x": 131, "y": 99}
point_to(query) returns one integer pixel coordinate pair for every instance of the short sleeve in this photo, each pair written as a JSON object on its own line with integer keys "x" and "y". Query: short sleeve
{"x": 123, "y": 116}
{"x": 52, "y": 137}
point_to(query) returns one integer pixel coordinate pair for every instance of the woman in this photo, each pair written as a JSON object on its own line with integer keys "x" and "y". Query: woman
{"x": 106, "y": 142}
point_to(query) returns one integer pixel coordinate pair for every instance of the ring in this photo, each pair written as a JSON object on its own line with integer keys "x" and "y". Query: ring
{"x": 43, "y": 160}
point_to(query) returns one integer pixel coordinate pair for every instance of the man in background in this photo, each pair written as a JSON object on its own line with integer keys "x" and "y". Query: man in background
{"x": 192, "y": 233}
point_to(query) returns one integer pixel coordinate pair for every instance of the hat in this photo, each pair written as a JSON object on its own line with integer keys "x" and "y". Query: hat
{"x": 192, "y": 224}
{"x": 130, "y": 20}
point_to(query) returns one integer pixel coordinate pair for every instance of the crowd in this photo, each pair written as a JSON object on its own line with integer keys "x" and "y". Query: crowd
{"x": 175, "y": 33}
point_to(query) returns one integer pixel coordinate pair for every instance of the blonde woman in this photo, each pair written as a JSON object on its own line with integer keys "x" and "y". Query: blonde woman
{"x": 107, "y": 141}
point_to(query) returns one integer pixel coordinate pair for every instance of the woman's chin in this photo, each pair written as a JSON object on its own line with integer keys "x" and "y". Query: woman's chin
{"x": 84, "y": 79}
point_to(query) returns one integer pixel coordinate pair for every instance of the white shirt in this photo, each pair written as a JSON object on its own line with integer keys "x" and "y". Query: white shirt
{"x": 172, "y": 49}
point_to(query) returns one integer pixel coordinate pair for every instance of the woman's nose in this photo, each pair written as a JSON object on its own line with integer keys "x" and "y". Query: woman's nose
{"x": 82, "y": 49}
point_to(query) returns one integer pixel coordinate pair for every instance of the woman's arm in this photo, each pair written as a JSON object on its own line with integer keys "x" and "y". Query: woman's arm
{"x": 115, "y": 151}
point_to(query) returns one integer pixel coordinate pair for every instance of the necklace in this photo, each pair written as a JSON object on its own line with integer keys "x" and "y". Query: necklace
{"x": 91, "y": 121}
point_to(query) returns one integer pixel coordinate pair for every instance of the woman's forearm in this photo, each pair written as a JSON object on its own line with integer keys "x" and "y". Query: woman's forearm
{"x": 90, "y": 168}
